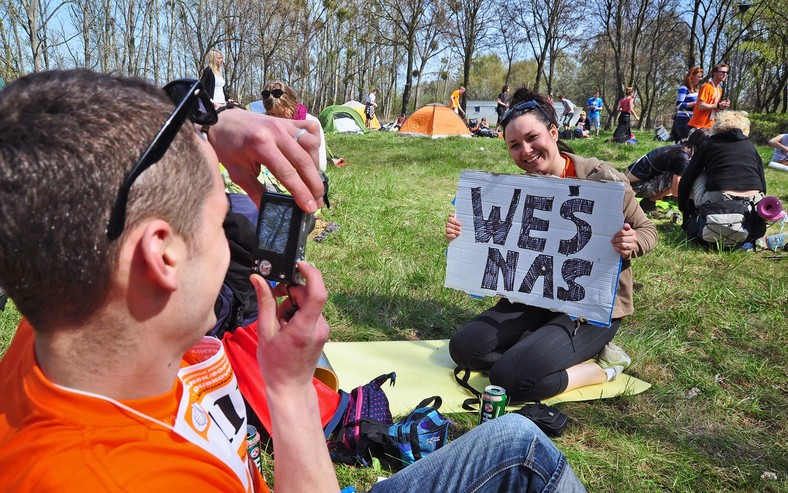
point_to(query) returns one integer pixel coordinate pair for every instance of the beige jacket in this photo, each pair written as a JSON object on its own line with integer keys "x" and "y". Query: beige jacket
{"x": 594, "y": 169}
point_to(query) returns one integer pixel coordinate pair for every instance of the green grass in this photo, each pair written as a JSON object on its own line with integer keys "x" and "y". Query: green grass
{"x": 708, "y": 320}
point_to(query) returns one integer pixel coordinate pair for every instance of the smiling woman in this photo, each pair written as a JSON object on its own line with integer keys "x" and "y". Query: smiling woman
{"x": 532, "y": 352}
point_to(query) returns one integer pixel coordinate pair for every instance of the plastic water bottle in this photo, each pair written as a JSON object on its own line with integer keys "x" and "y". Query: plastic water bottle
{"x": 773, "y": 242}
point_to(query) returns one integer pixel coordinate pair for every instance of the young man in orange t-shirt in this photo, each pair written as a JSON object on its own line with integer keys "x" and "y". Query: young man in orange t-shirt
{"x": 112, "y": 248}
{"x": 109, "y": 383}
{"x": 454, "y": 102}
{"x": 710, "y": 99}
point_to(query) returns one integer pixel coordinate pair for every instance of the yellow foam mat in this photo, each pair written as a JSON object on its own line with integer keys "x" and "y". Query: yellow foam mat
{"x": 424, "y": 369}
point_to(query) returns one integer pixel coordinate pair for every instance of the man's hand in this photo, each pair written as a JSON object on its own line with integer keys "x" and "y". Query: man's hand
{"x": 291, "y": 335}
{"x": 244, "y": 141}
{"x": 290, "y": 340}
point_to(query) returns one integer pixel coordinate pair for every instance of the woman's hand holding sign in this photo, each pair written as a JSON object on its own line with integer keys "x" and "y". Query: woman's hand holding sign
{"x": 624, "y": 242}
{"x": 453, "y": 228}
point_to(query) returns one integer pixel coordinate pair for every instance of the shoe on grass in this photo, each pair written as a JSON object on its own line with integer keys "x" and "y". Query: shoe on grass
{"x": 612, "y": 356}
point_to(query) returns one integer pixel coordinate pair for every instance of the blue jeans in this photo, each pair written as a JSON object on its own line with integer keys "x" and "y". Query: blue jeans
{"x": 506, "y": 454}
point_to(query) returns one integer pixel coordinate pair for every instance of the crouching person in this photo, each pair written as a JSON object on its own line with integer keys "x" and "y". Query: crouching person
{"x": 722, "y": 184}
{"x": 111, "y": 246}
{"x": 658, "y": 173}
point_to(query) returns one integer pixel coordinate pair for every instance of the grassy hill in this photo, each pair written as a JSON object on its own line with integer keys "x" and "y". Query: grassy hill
{"x": 709, "y": 329}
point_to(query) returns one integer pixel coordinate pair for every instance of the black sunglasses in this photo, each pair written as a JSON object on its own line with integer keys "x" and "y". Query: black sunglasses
{"x": 522, "y": 108}
{"x": 277, "y": 93}
{"x": 193, "y": 104}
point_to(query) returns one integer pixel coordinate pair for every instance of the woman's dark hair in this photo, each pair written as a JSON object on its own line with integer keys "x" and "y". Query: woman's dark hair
{"x": 546, "y": 116}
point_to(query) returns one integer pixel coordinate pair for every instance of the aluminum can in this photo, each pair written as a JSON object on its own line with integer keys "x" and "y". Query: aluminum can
{"x": 493, "y": 403}
{"x": 253, "y": 446}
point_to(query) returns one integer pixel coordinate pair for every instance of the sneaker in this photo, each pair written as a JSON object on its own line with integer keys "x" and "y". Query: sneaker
{"x": 616, "y": 371}
{"x": 648, "y": 205}
{"x": 612, "y": 356}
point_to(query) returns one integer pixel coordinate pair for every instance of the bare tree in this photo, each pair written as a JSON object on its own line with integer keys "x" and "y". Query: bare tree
{"x": 511, "y": 37}
{"x": 471, "y": 19}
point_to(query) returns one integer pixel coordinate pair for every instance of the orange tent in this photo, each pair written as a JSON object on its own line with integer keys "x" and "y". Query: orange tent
{"x": 436, "y": 121}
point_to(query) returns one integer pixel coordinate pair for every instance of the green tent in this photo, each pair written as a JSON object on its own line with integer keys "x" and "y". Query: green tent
{"x": 341, "y": 119}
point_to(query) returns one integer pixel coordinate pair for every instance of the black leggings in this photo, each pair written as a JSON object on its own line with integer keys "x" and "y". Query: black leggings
{"x": 527, "y": 349}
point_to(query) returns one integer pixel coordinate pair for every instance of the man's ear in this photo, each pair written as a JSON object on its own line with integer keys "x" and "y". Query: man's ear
{"x": 162, "y": 253}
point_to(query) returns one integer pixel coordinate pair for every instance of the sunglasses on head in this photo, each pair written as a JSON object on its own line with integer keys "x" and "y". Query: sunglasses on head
{"x": 522, "y": 108}
{"x": 277, "y": 93}
{"x": 192, "y": 103}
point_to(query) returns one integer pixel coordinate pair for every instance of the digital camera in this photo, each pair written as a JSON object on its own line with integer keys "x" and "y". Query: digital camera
{"x": 280, "y": 243}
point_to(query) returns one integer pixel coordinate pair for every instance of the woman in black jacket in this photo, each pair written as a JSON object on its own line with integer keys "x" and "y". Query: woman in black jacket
{"x": 213, "y": 79}
{"x": 726, "y": 168}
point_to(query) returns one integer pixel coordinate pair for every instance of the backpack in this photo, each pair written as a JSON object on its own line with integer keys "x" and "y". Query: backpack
{"x": 236, "y": 304}
{"x": 366, "y": 419}
{"x": 730, "y": 222}
{"x": 423, "y": 431}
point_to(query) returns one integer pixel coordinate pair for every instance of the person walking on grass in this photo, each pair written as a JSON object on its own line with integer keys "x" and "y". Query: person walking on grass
{"x": 569, "y": 112}
{"x": 594, "y": 105}
{"x": 370, "y": 105}
{"x": 626, "y": 110}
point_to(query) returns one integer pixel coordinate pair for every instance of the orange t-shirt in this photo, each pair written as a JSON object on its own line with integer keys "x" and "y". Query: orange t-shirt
{"x": 455, "y": 99}
{"x": 56, "y": 439}
{"x": 709, "y": 94}
{"x": 569, "y": 168}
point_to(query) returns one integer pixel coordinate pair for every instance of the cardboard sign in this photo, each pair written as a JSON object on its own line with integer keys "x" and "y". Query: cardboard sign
{"x": 539, "y": 240}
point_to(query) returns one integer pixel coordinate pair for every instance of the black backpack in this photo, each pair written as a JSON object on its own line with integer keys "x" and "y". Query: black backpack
{"x": 236, "y": 304}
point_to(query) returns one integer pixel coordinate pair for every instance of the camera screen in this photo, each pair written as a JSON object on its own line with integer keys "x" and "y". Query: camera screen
{"x": 275, "y": 228}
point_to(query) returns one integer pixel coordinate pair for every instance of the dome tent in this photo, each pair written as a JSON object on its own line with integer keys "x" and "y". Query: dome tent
{"x": 435, "y": 121}
{"x": 360, "y": 107}
{"x": 341, "y": 119}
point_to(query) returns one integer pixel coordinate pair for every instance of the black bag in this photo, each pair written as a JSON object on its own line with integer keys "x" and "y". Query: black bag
{"x": 236, "y": 304}
{"x": 730, "y": 222}
{"x": 549, "y": 419}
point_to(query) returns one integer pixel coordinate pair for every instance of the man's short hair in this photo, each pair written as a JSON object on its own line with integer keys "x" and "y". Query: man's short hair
{"x": 67, "y": 139}
{"x": 719, "y": 66}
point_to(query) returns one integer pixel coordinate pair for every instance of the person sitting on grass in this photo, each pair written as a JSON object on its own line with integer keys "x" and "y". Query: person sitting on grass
{"x": 580, "y": 131}
{"x": 109, "y": 383}
{"x": 535, "y": 353}
{"x": 657, "y": 174}
{"x": 780, "y": 144}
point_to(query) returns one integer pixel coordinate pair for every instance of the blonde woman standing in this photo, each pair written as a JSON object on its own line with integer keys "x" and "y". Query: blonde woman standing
{"x": 213, "y": 79}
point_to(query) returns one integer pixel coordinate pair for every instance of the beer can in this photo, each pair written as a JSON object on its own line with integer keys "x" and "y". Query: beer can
{"x": 253, "y": 446}
{"x": 493, "y": 403}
